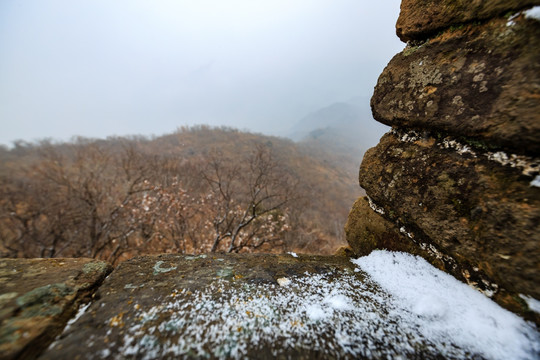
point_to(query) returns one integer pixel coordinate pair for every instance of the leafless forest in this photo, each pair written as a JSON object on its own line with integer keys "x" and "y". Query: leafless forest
{"x": 197, "y": 190}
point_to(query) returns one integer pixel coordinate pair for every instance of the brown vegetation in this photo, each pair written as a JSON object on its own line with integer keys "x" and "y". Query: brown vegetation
{"x": 197, "y": 190}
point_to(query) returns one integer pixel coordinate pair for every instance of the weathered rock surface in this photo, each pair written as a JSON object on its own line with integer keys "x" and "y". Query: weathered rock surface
{"x": 37, "y": 298}
{"x": 242, "y": 306}
{"x": 420, "y": 19}
{"x": 457, "y": 179}
{"x": 367, "y": 231}
{"x": 481, "y": 218}
{"x": 479, "y": 81}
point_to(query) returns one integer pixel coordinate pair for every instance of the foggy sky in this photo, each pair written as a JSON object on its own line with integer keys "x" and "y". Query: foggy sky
{"x": 116, "y": 67}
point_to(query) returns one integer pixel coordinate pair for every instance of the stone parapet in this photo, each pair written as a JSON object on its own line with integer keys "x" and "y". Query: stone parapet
{"x": 420, "y": 19}
{"x": 480, "y": 82}
{"x": 456, "y": 180}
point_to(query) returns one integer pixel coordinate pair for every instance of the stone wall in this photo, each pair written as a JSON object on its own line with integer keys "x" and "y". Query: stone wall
{"x": 455, "y": 180}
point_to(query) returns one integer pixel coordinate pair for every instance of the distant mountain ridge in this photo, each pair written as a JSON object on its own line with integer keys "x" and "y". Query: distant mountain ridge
{"x": 347, "y": 125}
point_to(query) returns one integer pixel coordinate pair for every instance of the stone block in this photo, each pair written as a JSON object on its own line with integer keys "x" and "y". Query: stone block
{"x": 482, "y": 214}
{"x": 420, "y": 19}
{"x": 37, "y": 298}
{"x": 252, "y": 306}
{"x": 478, "y": 82}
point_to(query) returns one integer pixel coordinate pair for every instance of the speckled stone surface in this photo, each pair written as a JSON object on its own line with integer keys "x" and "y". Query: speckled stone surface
{"x": 38, "y": 296}
{"x": 419, "y": 19}
{"x": 477, "y": 216}
{"x": 255, "y": 306}
{"x": 475, "y": 81}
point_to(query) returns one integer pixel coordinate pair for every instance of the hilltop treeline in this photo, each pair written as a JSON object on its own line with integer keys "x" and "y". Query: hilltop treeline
{"x": 197, "y": 190}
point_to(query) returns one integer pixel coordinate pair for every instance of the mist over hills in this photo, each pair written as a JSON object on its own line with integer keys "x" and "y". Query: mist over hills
{"x": 346, "y": 125}
{"x": 320, "y": 161}
{"x": 342, "y": 130}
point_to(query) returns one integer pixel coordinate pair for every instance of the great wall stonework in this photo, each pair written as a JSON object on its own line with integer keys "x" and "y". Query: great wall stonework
{"x": 455, "y": 181}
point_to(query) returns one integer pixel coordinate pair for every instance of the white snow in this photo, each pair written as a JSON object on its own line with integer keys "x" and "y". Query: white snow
{"x": 511, "y": 19}
{"x": 80, "y": 312}
{"x": 293, "y": 254}
{"x": 315, "y": 312}
{"x": 446, "y": 310}
{"x": 532, "y": 303}
{"x": 533, "y": 13}
{"x": 338, "y": 302}
{"x": 374, "y": 207}
{"x": 283, "y": 281}
{"x": 536, "y": 181}
{"x": 526, "y": 164}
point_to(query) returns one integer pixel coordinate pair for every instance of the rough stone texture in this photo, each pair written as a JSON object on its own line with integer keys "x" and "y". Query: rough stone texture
{"x": 419, "y": 19}
{"x": 454, "y": 176}
{"x": 241, "y": 306}
{"x": 482, "y": 219}
{"x": 366, "y": 231}
{"x": 37, "y": 298}
{"x": 480, "y": 82}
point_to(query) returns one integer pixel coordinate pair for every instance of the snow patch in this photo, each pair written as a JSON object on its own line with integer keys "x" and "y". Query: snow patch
{"x": 393, "y": 305}
{"x": 533, "y": 13}
{"x": 536, "y": 181}
{"x": 406, "y": 233}
{"x": 446, "y": 310}
{"x": 374, "y": 207}
{"x": 511, "y": 19}
{"x": 283, "y": 281}
{"x": 315, "y": 312}
{"x": 77, "y": 316}
{"x": 532, "y": 303}
{"x": 526, "y": 164}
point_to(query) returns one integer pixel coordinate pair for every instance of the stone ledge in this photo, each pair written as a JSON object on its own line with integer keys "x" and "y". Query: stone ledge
{"x": 420, "y": 19}
{"x": 479, "y": 82}
{"x": 480, "y": 213}
{"x": 38, "y": 297}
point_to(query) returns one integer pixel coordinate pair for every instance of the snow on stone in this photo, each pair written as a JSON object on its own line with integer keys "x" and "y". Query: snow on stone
{"x": 374, "y": 207}
{"x": 391, "y": 306}
{"x": 511, "y": 19}
{"x": 283, "y": 281}
{"x": 80, "y": 312}
{"x": 526, "y": 164}
{"x": 533, "y": 13}
{"x": 532, "y": 303}
{"x": 536, "y": 181}
{"x": 444, "y": 309}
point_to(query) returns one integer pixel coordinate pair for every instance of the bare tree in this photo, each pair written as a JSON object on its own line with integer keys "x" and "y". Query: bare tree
{"x": 79, "y": 203}
{"x": 249, "y": 200}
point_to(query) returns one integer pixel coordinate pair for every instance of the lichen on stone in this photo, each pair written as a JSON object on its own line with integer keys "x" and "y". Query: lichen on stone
{"x": 159, "y": 269}
{"x": 95, "y": 266}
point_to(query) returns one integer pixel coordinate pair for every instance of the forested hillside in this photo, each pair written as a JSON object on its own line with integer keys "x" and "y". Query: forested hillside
{"x": 197, "y": 190}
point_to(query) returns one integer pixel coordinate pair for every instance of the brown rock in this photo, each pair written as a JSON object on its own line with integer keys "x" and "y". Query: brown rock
{"x": 345, "y": 251}
{"x": 37, "y": 298}
{"x": 482, "y": 214}
{"x": 478, "y": 82}
{"x": 420, "y": 19}
{"x": 366, "y": 231}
